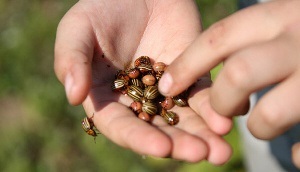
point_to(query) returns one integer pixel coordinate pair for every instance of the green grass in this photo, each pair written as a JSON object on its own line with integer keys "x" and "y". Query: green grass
{"x": 39, "y": 131}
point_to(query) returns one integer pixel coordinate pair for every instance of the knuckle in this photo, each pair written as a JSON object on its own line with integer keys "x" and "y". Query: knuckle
{"x": 270, "y": 116}
{"x": 216, "y": 34}
{"x": 237, "y": 73}
{"x": 295, "y": 154}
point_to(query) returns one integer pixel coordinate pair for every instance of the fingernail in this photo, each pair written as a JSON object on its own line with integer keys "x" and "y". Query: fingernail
{"x": 69, "y": 81}
{"x": 165, "y": 83}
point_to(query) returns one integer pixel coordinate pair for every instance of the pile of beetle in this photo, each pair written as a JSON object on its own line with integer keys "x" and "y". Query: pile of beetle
{"x": 140, "y": 83}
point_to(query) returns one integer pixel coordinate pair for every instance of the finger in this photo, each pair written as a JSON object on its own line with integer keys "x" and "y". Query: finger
{"x": 185, "y": 146}
{"x": 296, "y": 154}
{"x": 216, "y": 145}
{"x": 73, "y": 54}
{"x": 116, "y": 121}
{"x": 126, "y": 130}
{"x": 249, "y": 70}
{"x": 278, "y": 110}
{"x": 200, "y": 103}
{"x": 218, "y": 42}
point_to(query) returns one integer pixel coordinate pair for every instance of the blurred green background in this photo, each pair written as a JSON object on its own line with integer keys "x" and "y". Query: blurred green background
{"x": 39, "y": 130}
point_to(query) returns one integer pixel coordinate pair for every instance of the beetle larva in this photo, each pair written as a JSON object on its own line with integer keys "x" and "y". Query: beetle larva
{"x": 136, "y": 107}
{"x": 167, "y": 103}
{"x": 149, "y": 80}
{"x": 142, "y": 60}
{"x": 133, "y": 73}
{"x": 159, "y": 67}
{"x": 144, "y": 116}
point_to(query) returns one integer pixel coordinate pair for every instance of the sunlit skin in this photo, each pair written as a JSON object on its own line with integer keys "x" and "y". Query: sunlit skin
{"x": 97, "y": 37}
{"x": 260, "y": 46}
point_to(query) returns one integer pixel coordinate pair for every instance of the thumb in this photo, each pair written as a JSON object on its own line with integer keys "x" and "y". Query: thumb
{"x": 74, "y": 47}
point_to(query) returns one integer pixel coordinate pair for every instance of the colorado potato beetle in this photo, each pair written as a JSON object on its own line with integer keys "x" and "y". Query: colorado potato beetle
{"x": 88, "y": 126}
{"x": 150, "y": 108}
{"x": 142, "y": 60}
{"x": 170, "y": 117}
{"x": 140, "y": 83}
{"x": 135, "y": 92}
{"x": 151, "y": 92}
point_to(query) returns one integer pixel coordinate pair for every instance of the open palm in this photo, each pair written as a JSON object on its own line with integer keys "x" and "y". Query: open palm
{"x": 96, "y": 38}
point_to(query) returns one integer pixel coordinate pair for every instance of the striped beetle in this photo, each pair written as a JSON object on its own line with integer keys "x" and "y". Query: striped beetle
{"x": 118, "y": 84}
{"x": 151, "y": 92}
{"x": 170, "y": 117}
{"x": 135, "y": 92}
{"x": 180, "y": 101}
{"x": 88, "y": 126}
{"x": 150, "y": 108}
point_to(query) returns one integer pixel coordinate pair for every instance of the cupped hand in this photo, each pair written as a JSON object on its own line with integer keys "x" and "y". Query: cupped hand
{"x": 96, "y": 38}
{"x": 260, "y": 46}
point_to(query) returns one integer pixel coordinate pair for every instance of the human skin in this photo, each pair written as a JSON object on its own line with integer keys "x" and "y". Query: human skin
{"x": 260, "y": 46}
{"x": 96, "y": 38}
